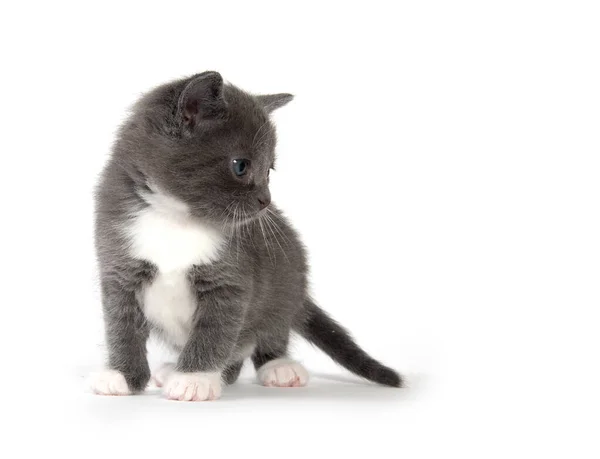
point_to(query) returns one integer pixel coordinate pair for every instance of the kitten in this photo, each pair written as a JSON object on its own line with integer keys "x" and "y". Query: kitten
{"x": 191, "y": 247}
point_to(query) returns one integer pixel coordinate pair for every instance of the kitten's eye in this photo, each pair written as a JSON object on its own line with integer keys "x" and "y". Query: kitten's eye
{"x": 240, "y": 166}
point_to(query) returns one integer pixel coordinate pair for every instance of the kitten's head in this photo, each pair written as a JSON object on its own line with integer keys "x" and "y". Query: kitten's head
{"x": 213, "y": 146}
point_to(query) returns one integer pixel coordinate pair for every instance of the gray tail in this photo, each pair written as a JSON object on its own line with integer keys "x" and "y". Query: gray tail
{"x": 329, "y": 336}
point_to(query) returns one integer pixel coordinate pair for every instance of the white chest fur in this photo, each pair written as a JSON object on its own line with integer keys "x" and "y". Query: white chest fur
{"x": 166, "y": 235}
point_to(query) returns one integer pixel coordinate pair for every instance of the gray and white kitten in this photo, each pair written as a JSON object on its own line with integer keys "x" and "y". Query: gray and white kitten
{"x": 191, "y": 247}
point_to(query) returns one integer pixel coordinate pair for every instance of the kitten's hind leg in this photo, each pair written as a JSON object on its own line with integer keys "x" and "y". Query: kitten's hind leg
{"x": 274, "y": 369}
{"x": 232, "y": 372}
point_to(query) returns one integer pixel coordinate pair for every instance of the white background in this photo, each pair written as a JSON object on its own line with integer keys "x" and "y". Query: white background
{"x": 441, "y": 160}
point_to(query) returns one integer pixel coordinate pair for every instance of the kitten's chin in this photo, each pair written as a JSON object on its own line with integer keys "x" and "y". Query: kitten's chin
{"x": 234, "y": 219}
{"x": 246, "y": 219}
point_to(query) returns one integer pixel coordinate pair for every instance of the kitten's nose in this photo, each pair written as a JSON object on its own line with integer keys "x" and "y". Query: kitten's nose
{"x": 264, "y": 199}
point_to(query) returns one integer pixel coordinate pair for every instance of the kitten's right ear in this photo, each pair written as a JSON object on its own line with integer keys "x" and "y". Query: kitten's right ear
{"x": 272, "y": 102}
{"x": 202, "y": 99}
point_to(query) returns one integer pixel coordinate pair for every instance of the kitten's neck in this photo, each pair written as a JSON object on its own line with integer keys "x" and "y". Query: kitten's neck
{"x": 163, "y": 203}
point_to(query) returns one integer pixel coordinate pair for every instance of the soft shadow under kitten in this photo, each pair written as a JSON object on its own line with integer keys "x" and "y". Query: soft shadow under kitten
{"x": 190, "y": 247}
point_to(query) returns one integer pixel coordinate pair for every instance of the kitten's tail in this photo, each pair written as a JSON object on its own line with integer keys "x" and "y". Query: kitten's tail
{"x": 325, "y": 333}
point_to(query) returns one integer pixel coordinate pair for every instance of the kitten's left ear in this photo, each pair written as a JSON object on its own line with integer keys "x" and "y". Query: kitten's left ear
{"x": 272, "y": 102}
{"x": 202, "y": 99}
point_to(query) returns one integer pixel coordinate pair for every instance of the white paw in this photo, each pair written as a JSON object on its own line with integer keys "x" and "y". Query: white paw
{"x": 193, "y": 386}
{"x": 283, "y": 373}
{"x": 108, "y": 382}
{"x": 162, "y": 373}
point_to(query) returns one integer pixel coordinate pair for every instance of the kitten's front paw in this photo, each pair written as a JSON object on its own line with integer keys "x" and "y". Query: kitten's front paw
{"x": 108, "y": 382}
{"x": 162, "y": 373}
{"x": 283, "y": 373}
{"x": 194, "y": 387}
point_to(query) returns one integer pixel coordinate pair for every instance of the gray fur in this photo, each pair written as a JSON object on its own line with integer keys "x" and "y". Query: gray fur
{"x": 183, "y": 136}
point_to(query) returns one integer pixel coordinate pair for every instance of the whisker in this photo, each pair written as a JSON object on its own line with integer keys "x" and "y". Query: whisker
{"x": 225, "y": 216}
{"x": 266, "y": 123}
{"x": 262, "y": 229}
{"x": 269, "y": 224}
{"x": 237, "y": 239}
{"x": 232, "y": 229}
{"x": 276, "y": 226}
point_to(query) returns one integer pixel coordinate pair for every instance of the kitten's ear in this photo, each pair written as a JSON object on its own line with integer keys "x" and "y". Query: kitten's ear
{"x": 202, "y": 99}
{"x": 272, "y": 102}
